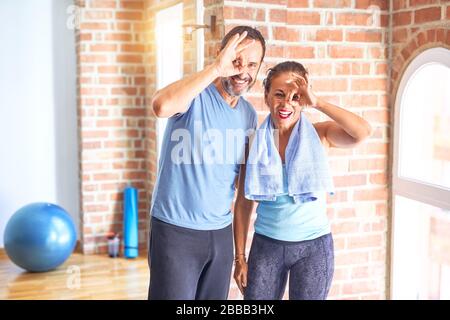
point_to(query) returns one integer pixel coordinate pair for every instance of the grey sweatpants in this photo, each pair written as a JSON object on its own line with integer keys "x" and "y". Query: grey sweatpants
{"x": 187, "y": 264}
{"x": 310, "y": 265}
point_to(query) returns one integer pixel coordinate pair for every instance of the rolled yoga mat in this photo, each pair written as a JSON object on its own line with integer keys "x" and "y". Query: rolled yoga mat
{"x": 130, "y": 222}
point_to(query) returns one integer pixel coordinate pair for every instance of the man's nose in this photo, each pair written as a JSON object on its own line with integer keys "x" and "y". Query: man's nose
{"x": 244, "y": 64}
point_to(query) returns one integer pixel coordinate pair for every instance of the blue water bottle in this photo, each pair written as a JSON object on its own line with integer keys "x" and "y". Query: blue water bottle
{"x": 130, "y": 222}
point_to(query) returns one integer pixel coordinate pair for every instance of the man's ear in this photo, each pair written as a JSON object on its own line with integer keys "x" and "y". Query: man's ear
{"x": 262, "y": 68}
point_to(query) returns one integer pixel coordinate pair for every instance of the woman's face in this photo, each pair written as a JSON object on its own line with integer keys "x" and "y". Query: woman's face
{"x": 283, "y": 101}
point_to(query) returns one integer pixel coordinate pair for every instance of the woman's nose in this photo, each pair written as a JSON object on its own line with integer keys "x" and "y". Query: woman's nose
{"x": 288, "y": 100}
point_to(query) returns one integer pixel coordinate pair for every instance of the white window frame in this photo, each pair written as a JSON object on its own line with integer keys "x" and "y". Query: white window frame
{"x": 161, "y": 81}
{"x": 161, "y": 122}
{"x": 200, "y": 11}
{"x": 438, "y": 196}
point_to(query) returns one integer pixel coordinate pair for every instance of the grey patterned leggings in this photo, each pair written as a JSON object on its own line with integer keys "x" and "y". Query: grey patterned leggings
{"x": 310, "y": 265}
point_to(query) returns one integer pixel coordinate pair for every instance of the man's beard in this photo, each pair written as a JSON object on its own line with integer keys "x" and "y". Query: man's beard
{"x": 228, "y": 87}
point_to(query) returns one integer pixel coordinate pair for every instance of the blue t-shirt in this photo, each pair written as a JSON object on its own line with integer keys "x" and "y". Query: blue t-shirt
{"x": 283, "y": 219}
{"x": 201, "y": 153}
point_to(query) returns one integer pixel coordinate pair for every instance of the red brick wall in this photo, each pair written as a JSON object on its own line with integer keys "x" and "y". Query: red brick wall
{"x": 417, "y": 25}
{"x": 344, "y": 46}
{"x": 348, "y": 47}
{"x": 111, "y": 111}
{"x": 212, "y": 41}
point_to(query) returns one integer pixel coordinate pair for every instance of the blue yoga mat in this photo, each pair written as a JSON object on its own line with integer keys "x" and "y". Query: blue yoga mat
{"x": 130, "y": 222}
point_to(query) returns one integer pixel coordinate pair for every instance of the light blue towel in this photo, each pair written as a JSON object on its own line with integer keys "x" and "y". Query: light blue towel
{"x": 306, "y": 164}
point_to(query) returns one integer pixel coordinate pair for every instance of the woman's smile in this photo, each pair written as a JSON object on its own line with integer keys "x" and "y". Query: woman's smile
{"x": 284, "y": 114}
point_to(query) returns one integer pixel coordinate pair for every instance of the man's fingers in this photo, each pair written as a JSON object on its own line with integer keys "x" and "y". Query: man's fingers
{"x": 242, "y": 36}
{"x": 235, "y": 40}
{"x": 242, "y": 47}
{"x": 232, "y": 41}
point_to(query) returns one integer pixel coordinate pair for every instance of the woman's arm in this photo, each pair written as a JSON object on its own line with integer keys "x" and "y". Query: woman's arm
{"x": 346, "y": 128}
{"x": 243, "y": 209}
{"x": 345, "y": 131}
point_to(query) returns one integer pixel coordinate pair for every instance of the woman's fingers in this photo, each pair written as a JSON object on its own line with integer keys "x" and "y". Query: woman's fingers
{"x": 300, "y": 80}
{"x": 292, "y": 94}
{"x": 244, "y": 280}
{"x": 306, "y": 78}
{"x": 237, "y": 278}
{"x": 240, "y": 276}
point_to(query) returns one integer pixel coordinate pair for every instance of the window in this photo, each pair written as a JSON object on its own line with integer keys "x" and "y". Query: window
{"x": 169, "y": 51}
{"x": 169, "y": 54}
{"x": 421, "y": 180}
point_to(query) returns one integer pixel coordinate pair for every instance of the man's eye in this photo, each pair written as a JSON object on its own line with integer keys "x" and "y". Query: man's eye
{"x": 279, "y": 95}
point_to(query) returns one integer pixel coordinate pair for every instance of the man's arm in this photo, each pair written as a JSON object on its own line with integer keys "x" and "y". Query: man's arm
{"x": 176, "y": 97}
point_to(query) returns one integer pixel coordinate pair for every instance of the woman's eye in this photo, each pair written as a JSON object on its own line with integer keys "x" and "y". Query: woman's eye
{"x": 296, "y": 97}
{"x": 279, "y": 95}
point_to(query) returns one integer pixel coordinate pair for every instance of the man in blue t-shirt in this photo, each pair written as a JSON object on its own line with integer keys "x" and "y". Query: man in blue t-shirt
{"x": 191, "y": 240}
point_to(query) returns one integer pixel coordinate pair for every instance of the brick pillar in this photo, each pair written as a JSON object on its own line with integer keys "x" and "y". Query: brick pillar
{"x": 112, "y": 118}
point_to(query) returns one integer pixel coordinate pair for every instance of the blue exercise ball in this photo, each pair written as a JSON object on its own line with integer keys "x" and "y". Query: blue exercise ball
{"x": 39, "y": 237}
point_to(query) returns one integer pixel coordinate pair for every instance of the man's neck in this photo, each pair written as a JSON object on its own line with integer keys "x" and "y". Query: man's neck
{"x": 231, "y": 100}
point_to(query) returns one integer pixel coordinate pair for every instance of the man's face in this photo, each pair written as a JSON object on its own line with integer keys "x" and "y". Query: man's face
{"x": 250, "y": 59}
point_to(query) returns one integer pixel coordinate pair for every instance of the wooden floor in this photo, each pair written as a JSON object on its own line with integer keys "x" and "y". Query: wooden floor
{"x": 80, "y": 277}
